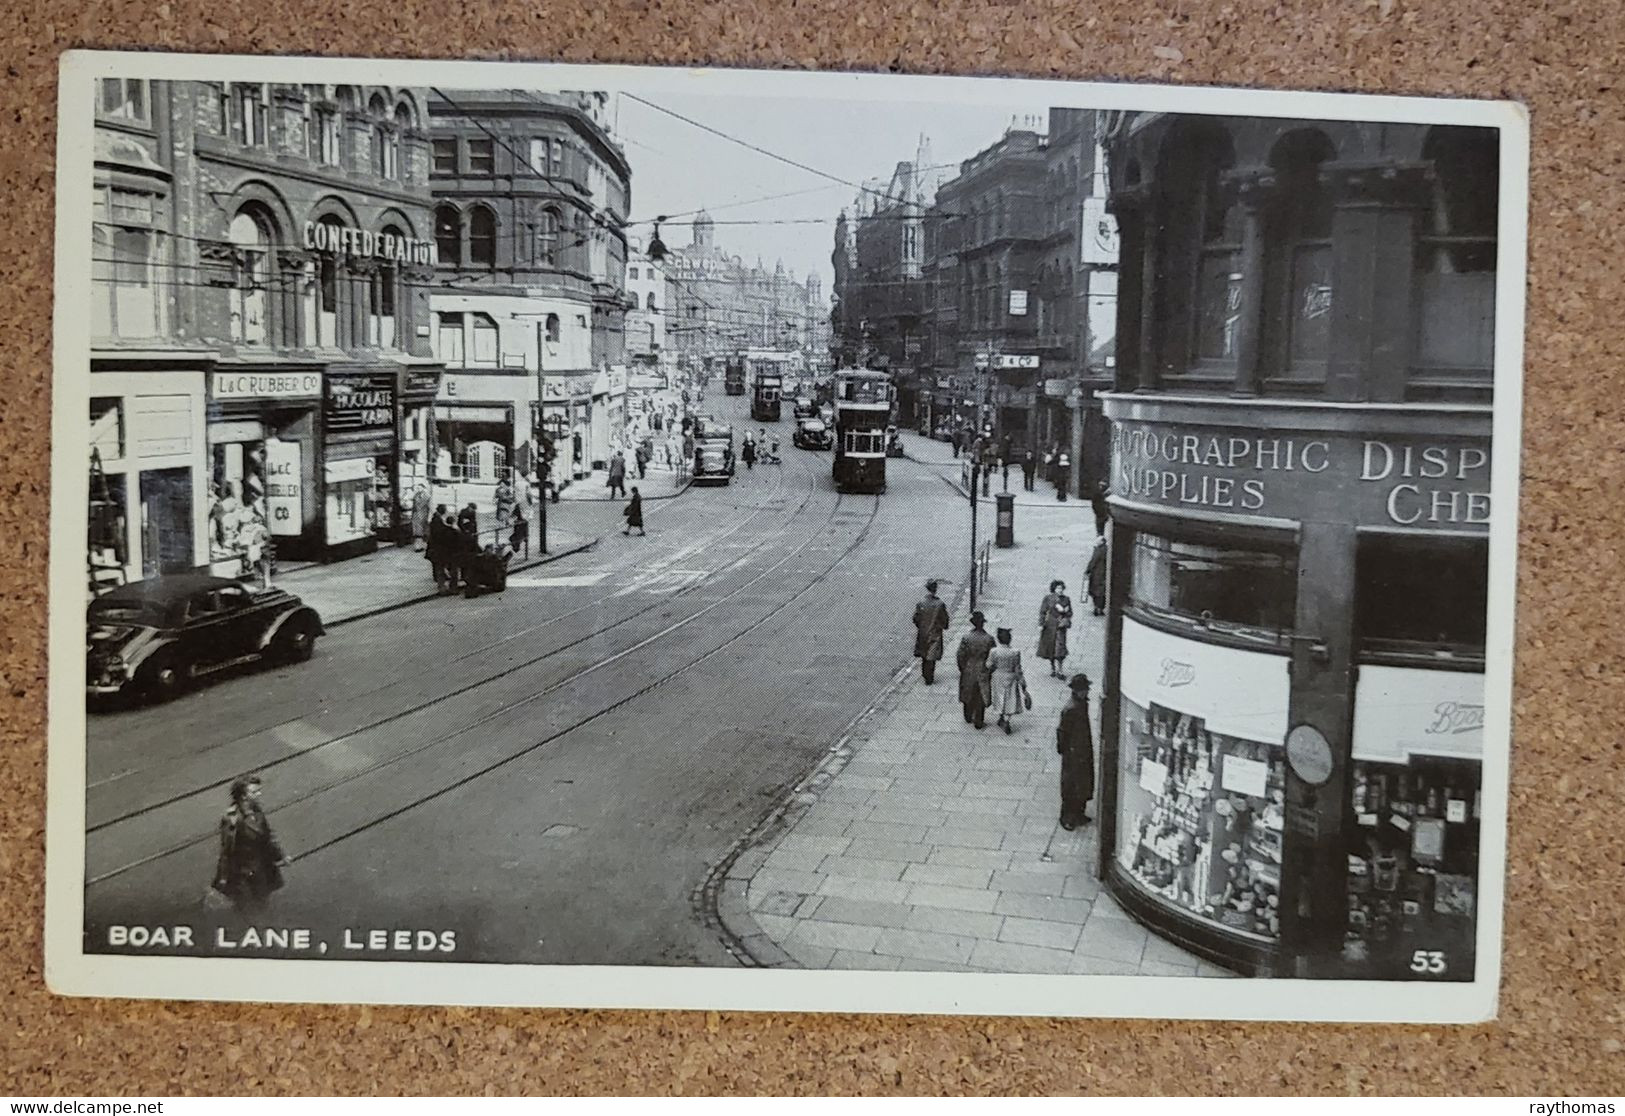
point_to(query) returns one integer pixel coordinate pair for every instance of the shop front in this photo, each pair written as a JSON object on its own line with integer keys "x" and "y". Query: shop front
{"x": 567, "y": 415}
{"x": 264, "y": 454}
{"x": 361, "y": 495}
{"x": 1293, "y": 709}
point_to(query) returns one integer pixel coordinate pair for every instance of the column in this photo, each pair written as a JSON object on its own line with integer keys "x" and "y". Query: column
{"x": 1314, "y": 865}
{"x": 1256, "y": 193}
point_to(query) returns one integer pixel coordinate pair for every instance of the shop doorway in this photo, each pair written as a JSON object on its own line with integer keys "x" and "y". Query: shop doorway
{"x": 166, "y": 521}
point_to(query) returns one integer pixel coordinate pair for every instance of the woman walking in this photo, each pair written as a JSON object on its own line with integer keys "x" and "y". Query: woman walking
{"x": 634, "y": 513}
{"x": 1076, "y": 745}
{"x": 250, "y": 865}
{"x": 1054, "y": 618}
{"x": 1009, "y": 682}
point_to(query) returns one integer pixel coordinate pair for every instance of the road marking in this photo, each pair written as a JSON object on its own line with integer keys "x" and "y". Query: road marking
{"x": 112, "y": 778}
{"x": 561, "y": 581}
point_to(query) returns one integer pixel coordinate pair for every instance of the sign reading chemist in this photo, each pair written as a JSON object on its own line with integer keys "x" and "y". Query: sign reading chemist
{"x": 1428, "y": 484}
{"x": 342, "y": 241}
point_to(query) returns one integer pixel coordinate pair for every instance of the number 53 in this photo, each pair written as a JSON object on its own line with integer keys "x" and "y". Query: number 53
{"x": 1427, "y": 961}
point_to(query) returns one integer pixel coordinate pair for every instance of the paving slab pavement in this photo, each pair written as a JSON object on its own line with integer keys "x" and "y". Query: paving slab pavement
{"x": 922, "y": 843}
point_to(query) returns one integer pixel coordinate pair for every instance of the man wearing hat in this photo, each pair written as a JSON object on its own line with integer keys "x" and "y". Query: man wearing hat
{"x": 930, "y": 621}
{"x": 975, "y": 689}
{"x": 1077, "y": 747}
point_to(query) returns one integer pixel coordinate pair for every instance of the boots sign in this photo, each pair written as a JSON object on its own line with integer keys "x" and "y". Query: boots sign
{"x": 1439, "y": 484}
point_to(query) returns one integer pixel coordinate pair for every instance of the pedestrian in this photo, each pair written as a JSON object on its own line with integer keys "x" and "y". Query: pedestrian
{"x": 642, "y": 459}
{"x": 958, "y": 439}
{"x": 634, "y": 513}
{"x": 1076, "y": 744}
{"x": 1029, "y": 466}
{"x": 468, "y": 521}
{"x": 506, "y": 501}
{"x": 617, "y": 475}
{"x": 442, "y": 541}
{"x": 1049, "y": 464}
{"x": 1054, "y": 618}
{"x": 249, "y": 868}
{"x": 930, "y": 622}
{"x": 1094, "y": 576}
{"x": 1009, "y": 683}
{"x": 748, "y": 451}
{"x": 1004, "y": 471}
{"x": 1063, "y": 475}
{"x": 1097, "y": 502}
{"x": 420, "y": 518}
{"x": 519, "y": 537}
{"x": 974, "y": 683}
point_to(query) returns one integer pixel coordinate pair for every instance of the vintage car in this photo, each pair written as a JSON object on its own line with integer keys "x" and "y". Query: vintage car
{"x": 713, "y": 461}
{"x": 811, "y": 433}
{"x": 805, "y": 407}
{"x": 155, "y": 638}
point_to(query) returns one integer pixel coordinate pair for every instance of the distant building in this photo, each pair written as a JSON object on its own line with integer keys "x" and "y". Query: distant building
{"x": 646, "y": 291}
{"x": 717, "y": 303}
{"x": 531, "y": 196}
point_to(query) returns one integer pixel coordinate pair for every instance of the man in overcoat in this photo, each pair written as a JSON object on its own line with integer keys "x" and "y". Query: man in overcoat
{"x": 1076, "y": 744}
{"x": 975, "y": 684}
{"x": 930, "y": 622}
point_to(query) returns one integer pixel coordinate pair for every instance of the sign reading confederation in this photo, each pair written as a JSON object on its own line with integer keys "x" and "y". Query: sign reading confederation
{"x": 1428, "y": 484}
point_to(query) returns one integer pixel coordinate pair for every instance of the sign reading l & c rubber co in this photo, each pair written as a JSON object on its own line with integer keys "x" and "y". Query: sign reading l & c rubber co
{"x": 1439, "y": 484}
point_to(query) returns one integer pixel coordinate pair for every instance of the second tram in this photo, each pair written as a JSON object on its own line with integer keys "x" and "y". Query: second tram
{"x": 733, "y": 375}
{"x": 863, "y": 406}
{"x": 765, "y": 393}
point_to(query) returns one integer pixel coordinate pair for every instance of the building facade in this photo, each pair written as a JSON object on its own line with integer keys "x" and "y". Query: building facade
{"x": 1299, "y": 495}
{"x": 717, "y": 304}
{"x": 646, "y": 290}
{"x": 260, "y": 358}
{"x": 530, "y": 202}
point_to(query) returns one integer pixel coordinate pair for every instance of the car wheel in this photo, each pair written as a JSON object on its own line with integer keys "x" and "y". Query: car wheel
{"x": 296, "y": 643}
{"x": 166, "y": 677}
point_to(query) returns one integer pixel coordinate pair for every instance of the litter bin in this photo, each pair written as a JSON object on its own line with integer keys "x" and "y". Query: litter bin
{"x": 1006, "y": 536}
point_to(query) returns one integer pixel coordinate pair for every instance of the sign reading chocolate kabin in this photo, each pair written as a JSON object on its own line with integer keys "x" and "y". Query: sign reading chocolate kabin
{"x": 1424, "y": 483}
{"x": 343, "y": 241}
{"x": 360, "y": 402}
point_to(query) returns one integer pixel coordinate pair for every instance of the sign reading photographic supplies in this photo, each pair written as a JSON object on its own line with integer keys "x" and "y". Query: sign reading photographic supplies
{"x": 1419, "y": 483}
{"x": 284, "y": 488}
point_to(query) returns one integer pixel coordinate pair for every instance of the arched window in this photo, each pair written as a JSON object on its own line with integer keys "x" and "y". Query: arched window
{"x": 404, "y": 123}
{"x": 1456, "y": 252}
{"x": 551, "y": 327}
{"x": 385, "y": 146}
{"x": 250, "y": 236}
{"x": 547, "y": 238}
{"x": 1298, "y": 259}
{"x": 384, "y": 300}
{"x": 482, "y": 237}
{"x": 321, "y": 295}
{"x": 1189, "y": 231}
{"x": 448, "y": 235}
{"x": 651, "y": 303}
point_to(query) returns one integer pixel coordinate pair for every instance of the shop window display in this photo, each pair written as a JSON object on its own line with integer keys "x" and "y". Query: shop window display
{"x": 239, "y": 536}
{"x": 1200, "y": 819}
{"x": 1413, "y": 868}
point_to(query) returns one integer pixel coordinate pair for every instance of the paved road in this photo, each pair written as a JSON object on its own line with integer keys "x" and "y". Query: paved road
{"x": 552, "y": 771}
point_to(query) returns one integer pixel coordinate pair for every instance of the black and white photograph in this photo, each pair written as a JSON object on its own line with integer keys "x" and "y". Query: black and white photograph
{"x": 617, "y": 536}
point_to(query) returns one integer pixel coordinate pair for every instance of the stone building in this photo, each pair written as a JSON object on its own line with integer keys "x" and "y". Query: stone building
{"x": 260, "y": 361}
{"x": 1292, "y": 711}
{"x": 531, "y": 196}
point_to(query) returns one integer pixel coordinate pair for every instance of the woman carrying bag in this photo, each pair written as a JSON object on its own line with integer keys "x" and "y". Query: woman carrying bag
{"x": 1054, "y": 618}
{"x": 1010, "y": 694}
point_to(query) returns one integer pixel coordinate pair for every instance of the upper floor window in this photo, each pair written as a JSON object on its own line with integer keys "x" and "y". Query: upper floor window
{"x": 386, "y": 145}
{"x": 633, "y": 273}
{"x": 448, "y": 235}
{"x": 481, "y": 157}
{"x": 1242, "y": 593}
{"x": 449, "y": 339}
{"x": 547, "y": 238}
{"x": 445, "y": 154}
{"x": 127, "y": 254}
{"x": 1298, "y": 266}
{"x": 247, "y": 113}
{"x": 551, "y": 328}
{"x": 1456, "y": 251}
{"x": 482, "y": 237}
{"x": 124, "y": 99}
{"x": 250, "y": 294}
{"x": 651, "y": 304}
{"x": 1424, "y": 598}
{"x": 556, "y": 157}
{"x": 484, "y": 333}
{"x": 321, "y": 128}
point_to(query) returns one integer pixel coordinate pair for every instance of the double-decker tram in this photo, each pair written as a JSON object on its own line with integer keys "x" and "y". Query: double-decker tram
{"x": 863, "y": 404}
{"x": 733, "y": 375}
{"x": 766, "y": 389}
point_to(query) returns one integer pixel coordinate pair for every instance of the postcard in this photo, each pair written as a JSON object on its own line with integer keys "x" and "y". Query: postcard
{"x": 635, "y": 537}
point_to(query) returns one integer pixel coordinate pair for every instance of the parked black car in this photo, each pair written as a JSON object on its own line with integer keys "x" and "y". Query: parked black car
{"x": 156, "y": 638}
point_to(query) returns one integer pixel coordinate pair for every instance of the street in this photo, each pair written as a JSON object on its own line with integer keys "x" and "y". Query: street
{"x": 549, "y": 772}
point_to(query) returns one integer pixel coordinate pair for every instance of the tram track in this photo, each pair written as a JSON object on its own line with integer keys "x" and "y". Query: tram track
{"x": 418, "y": 706}
{"x": 508, "y": 708}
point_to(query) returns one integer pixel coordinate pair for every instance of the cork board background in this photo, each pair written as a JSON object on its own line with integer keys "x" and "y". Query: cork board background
{"x": 1562, "y": 1020}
